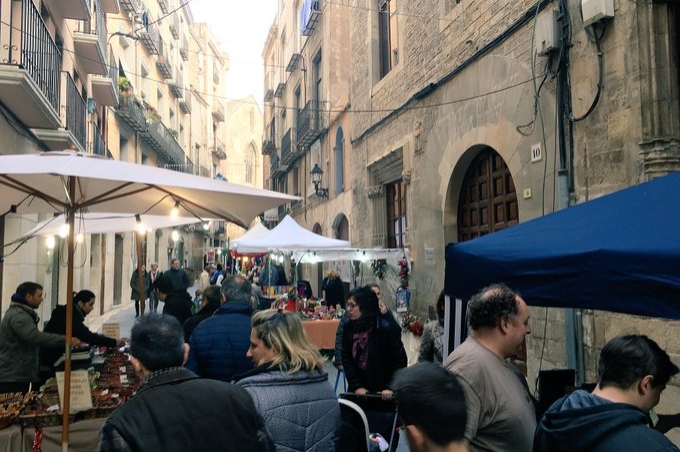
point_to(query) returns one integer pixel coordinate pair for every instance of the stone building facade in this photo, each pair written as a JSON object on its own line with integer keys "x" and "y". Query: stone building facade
{"x": 469, "y": 116}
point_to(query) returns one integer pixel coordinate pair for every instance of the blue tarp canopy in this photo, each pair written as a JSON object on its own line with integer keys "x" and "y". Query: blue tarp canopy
{"x": 620, "y": 253}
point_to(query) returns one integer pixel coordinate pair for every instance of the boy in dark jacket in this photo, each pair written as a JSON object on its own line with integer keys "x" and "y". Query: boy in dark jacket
{"x": 633, "y": 371}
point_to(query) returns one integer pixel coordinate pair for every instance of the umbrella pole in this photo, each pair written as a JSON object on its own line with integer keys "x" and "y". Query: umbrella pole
{"x": 140, "y": 277}
{"x": 70, "y": 214}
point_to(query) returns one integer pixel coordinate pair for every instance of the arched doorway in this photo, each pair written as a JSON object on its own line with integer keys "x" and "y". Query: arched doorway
{"x": 488, "y": 200}
{"x": 341, "y": 227}
{"x": 488, "y": 203}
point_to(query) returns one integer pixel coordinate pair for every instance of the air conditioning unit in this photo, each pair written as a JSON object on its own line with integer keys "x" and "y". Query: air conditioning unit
{"x": 595, "y": 11}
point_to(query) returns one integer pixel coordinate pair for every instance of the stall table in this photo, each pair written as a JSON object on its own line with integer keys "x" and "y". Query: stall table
{"x": 321, "y": 333}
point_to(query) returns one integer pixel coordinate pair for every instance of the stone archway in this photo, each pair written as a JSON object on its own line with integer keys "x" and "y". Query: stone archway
{"x": 341, "y": 227}
{"x": 488, "y": 201}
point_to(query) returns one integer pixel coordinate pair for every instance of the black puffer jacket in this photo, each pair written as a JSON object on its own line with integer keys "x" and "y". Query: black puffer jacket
{"x": 176, "y": 411}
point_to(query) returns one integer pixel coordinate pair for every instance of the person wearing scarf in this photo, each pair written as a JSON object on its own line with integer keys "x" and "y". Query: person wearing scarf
{"x": 372, "y": 350}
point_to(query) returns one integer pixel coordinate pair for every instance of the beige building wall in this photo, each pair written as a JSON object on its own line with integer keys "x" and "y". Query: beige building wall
{"x": 461, "y": 82}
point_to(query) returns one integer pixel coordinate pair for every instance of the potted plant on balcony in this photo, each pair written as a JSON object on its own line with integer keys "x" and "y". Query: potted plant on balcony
{"x": 174, "y": 133}
{"x": 151, "y": 114}
{"x": 126, "y": 92}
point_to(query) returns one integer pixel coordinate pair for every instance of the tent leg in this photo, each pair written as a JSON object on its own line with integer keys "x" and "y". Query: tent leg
{"x": 573, "y": 326}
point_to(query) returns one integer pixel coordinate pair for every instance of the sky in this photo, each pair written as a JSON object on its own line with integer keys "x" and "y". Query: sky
{"x": 242, "y": 27}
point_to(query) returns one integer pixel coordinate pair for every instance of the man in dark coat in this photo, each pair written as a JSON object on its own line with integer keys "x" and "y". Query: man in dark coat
{"x": 179, "y": 278}
{"x": 178, "y": 303}
{"x": 219, "y": 344}
{"x": 175, "y": 410}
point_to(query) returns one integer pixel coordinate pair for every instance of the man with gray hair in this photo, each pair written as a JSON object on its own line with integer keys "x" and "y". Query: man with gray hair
{"x": 174, "y": 410}
{"x": 219, "y": 344}
{"x": 501, "y": 416}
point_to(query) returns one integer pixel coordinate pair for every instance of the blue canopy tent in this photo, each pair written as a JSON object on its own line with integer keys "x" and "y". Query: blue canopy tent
{"x": 620, "y": 253}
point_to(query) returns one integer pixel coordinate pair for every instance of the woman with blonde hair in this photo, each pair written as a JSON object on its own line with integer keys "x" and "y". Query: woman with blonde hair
{"x": 288, "y": 385}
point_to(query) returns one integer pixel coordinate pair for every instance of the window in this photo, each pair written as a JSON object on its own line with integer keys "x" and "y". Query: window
{"x": 396, "y": 214}
{"x": 338, "y": 162}
{"x": 384, "y": 37}
{"x": 316, "y": 68}
{"x": 250, "y": 165}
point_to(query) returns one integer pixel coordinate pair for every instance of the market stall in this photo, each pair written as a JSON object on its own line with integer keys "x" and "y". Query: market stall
{"x": 616, "y": 253}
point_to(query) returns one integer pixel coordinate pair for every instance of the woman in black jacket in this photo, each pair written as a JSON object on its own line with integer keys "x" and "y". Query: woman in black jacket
{"x": 83, "y": 304}
{"x": 372, "y": 350}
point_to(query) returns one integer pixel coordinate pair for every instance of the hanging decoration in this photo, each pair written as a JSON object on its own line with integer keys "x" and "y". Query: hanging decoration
{"x": 403, "y": 273}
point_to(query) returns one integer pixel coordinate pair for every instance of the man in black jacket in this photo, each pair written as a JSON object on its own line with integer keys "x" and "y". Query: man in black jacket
{"x": 175, "y": 410}
{"x": 178, "y": 303}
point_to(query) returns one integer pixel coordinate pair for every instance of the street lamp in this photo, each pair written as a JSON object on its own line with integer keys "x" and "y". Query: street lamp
{"x": 317, "y": 174}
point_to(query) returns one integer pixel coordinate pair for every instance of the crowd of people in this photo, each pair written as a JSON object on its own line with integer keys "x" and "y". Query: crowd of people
{"x": 254, "y": 376}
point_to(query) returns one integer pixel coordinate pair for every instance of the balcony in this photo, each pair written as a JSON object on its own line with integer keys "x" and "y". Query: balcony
{"x": 132, "y": 113}
{"x": 280, "y": 88}
{"x": 217, "y": 151}
{"x": 185, "y": 101}
{"x": 269, "y": 142}
{"x": 184, "y": 49}
{"x": 288, "y": 147}
{"x": 151, "y": 39}
{"x": 293, "y": 63}
{"x": 177, "y": 85}
{"x": 309, "y": 123}
{"x": 98, "y": 143}
{"x": 269, "y": 95}
{"x": 174, "y": 26}
{"x": 70, "y": 9}
{"x": 29, "y": 81}
{"x": 73, "y": 132}
{"x": 205, "y": 172}
{"x": 164, "y": 62}
{"x": 310, "y": 16}
{"x": 187, "y": 168}
{"x": 105, "y": 88}
{"x": 131, "y": 6}
{"x": 159, "y": 138}
{"x": 89, "y": 43}
{"x": 218, "y": 110}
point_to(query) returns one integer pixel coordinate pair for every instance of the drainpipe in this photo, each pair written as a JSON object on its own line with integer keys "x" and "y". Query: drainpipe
{"x": 573, "y": 324}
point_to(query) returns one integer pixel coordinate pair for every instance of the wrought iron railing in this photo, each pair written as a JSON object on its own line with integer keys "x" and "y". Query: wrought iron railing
{"x": 76, "y": 112}
{"x": 162, "y": 140}
{"x": 131, "y": 112}
{"x": 98, "y": 143}
{"x": 288, "y": 146}
{"x": 309, "y": 123}
{"x": 30, "y": 46}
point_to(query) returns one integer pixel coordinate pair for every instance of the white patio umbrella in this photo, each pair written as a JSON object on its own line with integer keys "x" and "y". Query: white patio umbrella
{"x": 70, "y": 182}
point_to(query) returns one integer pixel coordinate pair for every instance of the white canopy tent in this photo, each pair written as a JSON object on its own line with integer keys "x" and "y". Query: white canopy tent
{"x": 256, "y": 231}
{"x": 288, "y": 236}
{"x": 311, "y": 256}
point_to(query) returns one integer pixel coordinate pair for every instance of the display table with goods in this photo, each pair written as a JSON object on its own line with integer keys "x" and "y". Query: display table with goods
{"x": 319, "y": 321}
{"x": 32, "y": 422}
